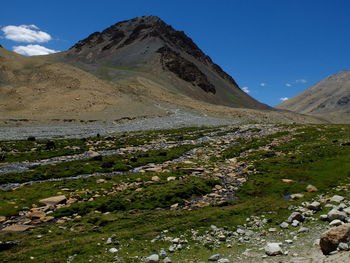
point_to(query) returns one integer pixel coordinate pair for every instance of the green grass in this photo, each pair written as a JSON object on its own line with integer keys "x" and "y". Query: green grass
{"x": 88, "y": 166}
{"x": 316, "y": 154}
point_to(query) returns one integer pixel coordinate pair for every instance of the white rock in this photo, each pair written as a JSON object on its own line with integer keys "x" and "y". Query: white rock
{"x": 295, "y": 216}
{"x": 167, "y": 260}
{"x": 214, "y": 257}
{"x": 303, "y": 229}
{"x": 273, "y": 249}
{"x": 336, "y": 222}
{"x": 295, "y": 223}
{"x": 152, "y": 259}
{"x": 343, "y": 246}
{"x": 337, "y": 198}
{"x": 315, "y": 206}
{"x": 284, "y": 225}
{"x": 335, "y": 214}
{"x": 224, "y": 260}
{"x": 113, "y": 250}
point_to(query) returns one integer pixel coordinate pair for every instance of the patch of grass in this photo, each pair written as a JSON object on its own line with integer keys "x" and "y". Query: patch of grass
{"x": 161, "y": 195}
{"x": 89, "y": 166}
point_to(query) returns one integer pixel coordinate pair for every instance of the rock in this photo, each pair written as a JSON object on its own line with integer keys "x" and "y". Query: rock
{"x": 171, "y": 178}
{"x": 272, "y": 229}
{"x": 16, "y": 228}
{"x": 273, "y": 249}
{"x": 303, "y": 229}
{"x": 295, "y": 223}
{"x": 167, "y": 260}
{"x": 337, "y": 198}
{"x": 54, "y": 200}
{"x": 310, "y": 188}
{"x": 295, "y": 216}
{"x": 152, "y": 259}
{"x": 36, "y": 215}
{"x": 284, "y": 225}
{"x": 224, "y": 260}
{"x": 345, "y": 210}
{"x": 336, "y": 222}
{"x": 343, "y": 246}
{"x": 176, "y": 240}
{"x": 335, "y": 214}
{"x": 296, "y": 196}
{"x": 2, "y": 219}
{"x": 163, "y": 253}
{"x": 101, "y": 181}
{"x": 330, "y": 239}
{"x": 214, "y": 257}
{"x": 5, "y": 245}
{"x": 315, "y": 206}
{"x": 323, "y": 217}
{"x": 113, "y": 250}
{"x": 155, "y": 178}
{"x": 288, "y": 181}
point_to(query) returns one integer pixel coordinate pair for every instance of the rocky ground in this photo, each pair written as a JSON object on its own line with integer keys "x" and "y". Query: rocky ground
{"x": 226, "y": 158}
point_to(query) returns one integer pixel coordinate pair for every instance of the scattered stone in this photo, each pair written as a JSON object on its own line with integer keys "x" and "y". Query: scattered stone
{"x": 2, "y": 219}
{"x": 224, "y": 260}
{"x": 288, "y": 181}
{"x": 167, "y": 260}
{"x": 295, "y": 216}
{"x": 336, "y": 222}
{"x": 101, "y": 181}
{"x": 323, "y": 217}
{"x": 330, "y": 239}
{"x": 155, "y": 178}
{"x": 171, "y": 178}
{"x": 214, "y": 257}
{"x": 272, "y": 229}
{"x": 295, "y": 223}
{"x": 17, "y": 228}
{"x": 303, "y": 229}
{"x": 284, "y": 225}
{"x": 337, "y": 198}
{"x": 152, "y": 259}
{"x": 336, "y": 214}
{"x": 36, "y": 215}
{"x": 54, "y": 200}
{"x": 113, "y": 250}
{"x": 273, "y": 249}
{"x": 315, "y": 206}
{"x": 343, "y": 246}
{"x": 310, "y": 188}
{"x": 296, "y": 196}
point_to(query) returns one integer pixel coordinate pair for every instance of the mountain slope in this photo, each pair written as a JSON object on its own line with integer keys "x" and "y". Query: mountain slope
{"x": 33, "y": 88}
{"x": 329, "y": 98}
{"x": 147, "y": 47}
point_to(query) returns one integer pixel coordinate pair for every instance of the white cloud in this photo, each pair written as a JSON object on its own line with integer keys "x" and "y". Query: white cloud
{"x": 262, "y": 84}
{"x": 288, "y": 84}
{"x": 301, "y": 81}
{"x": 246, "y": 89}
{"x": 284, "y": 99}
{"x": 33, "y": 50}
{"x": 25, "y": 33}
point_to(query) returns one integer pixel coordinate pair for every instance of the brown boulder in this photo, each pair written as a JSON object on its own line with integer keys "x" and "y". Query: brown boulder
{"x": 55, "y": 200}
{"x": 16, "y": 228}
{"x": 330, "y": 239}
{"x": 36, "y": 214}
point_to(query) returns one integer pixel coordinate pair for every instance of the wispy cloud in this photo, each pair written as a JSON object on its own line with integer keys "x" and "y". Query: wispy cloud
{"x": 33, "y": 50}
{"x": 246, "y": 89}
{"x": 284, "y": 99}
{"x": 25, "y": 33}
{"x": 301, "y": 81}
{"x": 262, "y": 84}
{"x": 288, "y": 85}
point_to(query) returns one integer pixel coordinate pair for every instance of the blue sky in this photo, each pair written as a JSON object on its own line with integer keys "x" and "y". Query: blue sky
{"x": 274, "y": 48}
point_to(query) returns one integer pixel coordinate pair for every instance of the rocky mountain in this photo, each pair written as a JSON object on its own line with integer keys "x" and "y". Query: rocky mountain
{"x": 329, "y": 98}
{"x": 149, "y": 48}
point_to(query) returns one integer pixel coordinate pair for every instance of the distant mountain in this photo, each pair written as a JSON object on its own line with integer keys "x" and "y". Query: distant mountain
{"x": 149, "y": 48}
{"x": 329, "y": 98}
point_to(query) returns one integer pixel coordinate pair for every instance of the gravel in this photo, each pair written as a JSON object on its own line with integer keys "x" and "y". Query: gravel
{"x": 178, "y": 119}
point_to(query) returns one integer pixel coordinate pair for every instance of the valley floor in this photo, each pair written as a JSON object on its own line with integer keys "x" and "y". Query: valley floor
{"x": 195, "y": 194}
